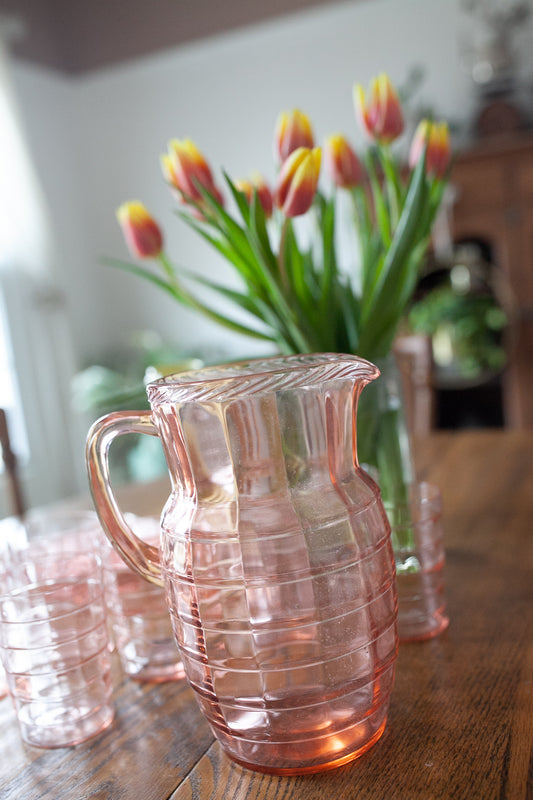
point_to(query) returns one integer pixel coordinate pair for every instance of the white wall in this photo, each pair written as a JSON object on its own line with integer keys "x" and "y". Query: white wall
{"x": 97, "y": 139}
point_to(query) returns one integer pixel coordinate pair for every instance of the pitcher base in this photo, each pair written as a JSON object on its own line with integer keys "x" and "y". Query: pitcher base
{"x": 303, "y": 768}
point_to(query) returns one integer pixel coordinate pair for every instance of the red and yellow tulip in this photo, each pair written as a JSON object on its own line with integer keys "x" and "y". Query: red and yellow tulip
{"x": 258, "y": 184}
{"x": 293, "y": 130}
{"x": 437, "y": 138}
{"x": 341, "y": 162}
{"x": 141, "y": 232}
{"x": 185, "y": 168}
{"x": 297, "y": 181}
{"x": 292, "y": 286}
{"x": 381, "y": 115}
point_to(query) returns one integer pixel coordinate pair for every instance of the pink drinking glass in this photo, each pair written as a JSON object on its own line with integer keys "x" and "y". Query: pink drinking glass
{"x": 53, "y": 629}
{"x": 418, "y": 541}
{"x": 138, "y": 614}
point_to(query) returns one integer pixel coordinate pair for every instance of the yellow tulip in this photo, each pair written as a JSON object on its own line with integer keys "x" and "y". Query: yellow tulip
{"x": 437, "y": 138}
{"x": 141, "y": 232}
{"x": 293, "y": 130}
{"x": 297, "y": 181}
{"x": 185, "y": 168}
{"x": 258, "y": 184}
{"x": 381, "y": 115}
{"x": 342, "y": 163}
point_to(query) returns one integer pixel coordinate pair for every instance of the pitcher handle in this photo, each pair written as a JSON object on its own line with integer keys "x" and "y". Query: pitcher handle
{"x": 139, "y": 555}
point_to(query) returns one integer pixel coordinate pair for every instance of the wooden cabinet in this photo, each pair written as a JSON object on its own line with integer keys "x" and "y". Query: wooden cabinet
{"x": 493, "y": 185}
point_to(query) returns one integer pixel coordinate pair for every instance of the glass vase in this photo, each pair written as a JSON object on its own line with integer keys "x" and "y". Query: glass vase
{"x": 385, "y": 447}
{"x": 383, "y": 440}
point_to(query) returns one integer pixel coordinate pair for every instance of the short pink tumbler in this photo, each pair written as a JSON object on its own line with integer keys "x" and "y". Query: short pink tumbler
{"x": 275, "y": 554}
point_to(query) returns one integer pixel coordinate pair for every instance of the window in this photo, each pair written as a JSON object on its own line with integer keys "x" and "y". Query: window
{"x": 34, "y": 335}
{"x": 9, "y": 399}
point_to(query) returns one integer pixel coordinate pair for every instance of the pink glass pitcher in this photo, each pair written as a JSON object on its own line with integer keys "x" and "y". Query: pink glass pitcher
{"x": 275, "y": 554}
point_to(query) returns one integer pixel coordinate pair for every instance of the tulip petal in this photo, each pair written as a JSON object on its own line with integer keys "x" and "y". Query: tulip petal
{"x": 360, "y": 108}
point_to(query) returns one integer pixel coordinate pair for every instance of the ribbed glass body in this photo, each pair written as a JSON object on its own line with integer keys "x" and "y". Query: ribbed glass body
{"x": 276, "y": 559}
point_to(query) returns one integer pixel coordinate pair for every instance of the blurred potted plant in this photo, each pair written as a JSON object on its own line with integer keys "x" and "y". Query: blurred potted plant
{"x": 467, "y": 314}
{"x": 117, "y": 383}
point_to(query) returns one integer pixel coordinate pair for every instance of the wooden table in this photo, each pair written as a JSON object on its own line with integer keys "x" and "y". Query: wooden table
{"x": 461, "y": 716}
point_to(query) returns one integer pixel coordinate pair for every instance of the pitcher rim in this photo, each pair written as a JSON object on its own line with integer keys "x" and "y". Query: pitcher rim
{"x": 251, "y": 376}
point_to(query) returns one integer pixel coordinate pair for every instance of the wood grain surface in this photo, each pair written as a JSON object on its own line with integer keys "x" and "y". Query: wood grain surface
{"x": 460, "y": 725}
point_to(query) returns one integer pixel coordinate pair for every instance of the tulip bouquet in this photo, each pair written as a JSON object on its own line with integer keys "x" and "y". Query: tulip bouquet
{"x": 293, "y": 291}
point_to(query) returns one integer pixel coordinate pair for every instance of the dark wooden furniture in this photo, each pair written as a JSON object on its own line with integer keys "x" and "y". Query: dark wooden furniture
{"x": 461, "y": 718}
{"x": 494, "y": 204}
{"x": 16, "y": 498}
